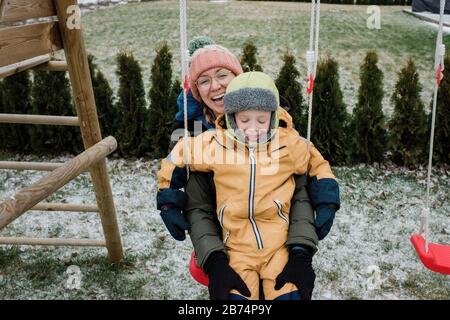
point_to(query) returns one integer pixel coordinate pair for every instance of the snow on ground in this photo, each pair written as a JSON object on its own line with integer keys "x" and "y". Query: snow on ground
{"x": 380, "y": 210}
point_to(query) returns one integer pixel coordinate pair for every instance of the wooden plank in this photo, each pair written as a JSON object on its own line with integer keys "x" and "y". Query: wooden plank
{"x": 28, "y": 41}
{"x": 16, "y": 10}
{"x": 83, "y": 94}
{"x": 52, "y": 206}
{"x": 39, "y": 119}
{"x": 27, "y": 198}
{"x": 23, "y": 65}
{"x": 52, "y": 242}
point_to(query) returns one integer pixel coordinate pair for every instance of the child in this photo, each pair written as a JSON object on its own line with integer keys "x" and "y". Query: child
{"x": 254, "y": 154}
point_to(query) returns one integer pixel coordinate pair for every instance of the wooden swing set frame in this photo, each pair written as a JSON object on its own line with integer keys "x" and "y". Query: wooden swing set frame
{"x": 33, "y": 30}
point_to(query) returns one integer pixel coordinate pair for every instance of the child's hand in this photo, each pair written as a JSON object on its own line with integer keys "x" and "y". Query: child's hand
{"x": 299, "y": 271}
{"x": 175, "y": 222}
{"x": 324, "y": 220}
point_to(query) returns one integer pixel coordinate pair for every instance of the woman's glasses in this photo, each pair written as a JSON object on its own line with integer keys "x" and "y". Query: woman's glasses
{"x": 222, "y": 77}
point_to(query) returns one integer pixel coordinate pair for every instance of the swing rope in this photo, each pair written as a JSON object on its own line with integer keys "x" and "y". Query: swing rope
{"x": 439, "y": 68}
{"x": 312, "y": 57}
{"x": 184, "y": 56}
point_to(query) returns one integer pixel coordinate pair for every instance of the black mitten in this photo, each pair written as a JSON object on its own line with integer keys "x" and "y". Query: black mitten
{"x": 222, "y": 278}
{"x": 299, "y": 271}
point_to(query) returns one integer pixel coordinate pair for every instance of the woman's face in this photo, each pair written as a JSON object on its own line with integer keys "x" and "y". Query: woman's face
{"x": 211, "y": 86}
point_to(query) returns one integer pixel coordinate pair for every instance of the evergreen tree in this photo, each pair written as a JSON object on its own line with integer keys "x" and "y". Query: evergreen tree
{"x": 163, "y": 102}
{"x": 442, "y": 127}
{"x": 51, "y": 95}
{"x": 408, "y": 126}
{"x": 329, "y": 114}
{"x": 368, "y": 122}
{"x": 104, "y": 100}
{"x": 248, "y": 59}
{"x": 131, "y": 107}
{"x": 16, "y": 100}
{"x": 290, "y": 88}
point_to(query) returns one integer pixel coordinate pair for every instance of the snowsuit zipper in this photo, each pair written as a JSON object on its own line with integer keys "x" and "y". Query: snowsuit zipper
{"x": 280, "y": 212}
{"x": 221, "y": 213}
{"x": 251, "y": 198}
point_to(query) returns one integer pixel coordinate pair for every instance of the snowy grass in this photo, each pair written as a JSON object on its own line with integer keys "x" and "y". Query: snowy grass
{"x": 380, "y": 209}
{"x": 274, "y": 27}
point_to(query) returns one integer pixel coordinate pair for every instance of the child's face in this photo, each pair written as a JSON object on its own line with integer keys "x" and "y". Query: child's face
{"x": 253, "y": 123}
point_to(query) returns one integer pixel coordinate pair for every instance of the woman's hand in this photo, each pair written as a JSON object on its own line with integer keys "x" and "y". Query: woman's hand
{"x": 222, "y": 278}
{"x": 299, "y": 271}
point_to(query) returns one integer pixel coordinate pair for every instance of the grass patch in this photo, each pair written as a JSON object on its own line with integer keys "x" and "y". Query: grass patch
{"x": 274, "y": 27}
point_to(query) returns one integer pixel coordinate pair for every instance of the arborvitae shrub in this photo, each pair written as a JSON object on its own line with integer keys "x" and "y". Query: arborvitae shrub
{"x": 442, "y": 130}
{"x": 104, "y": 100}
{"x": 329, "y": 114}
{"x": 248, "y": 58}
{"x": 131, "y": 107}
{"x": 163, "y": 102}
{"x": 368, "y": 126}
{"x": 51, "y": 95}
{"x": 16, "y": 92}
{"x": 290, "y": 88}
{"x": 408, "y": 126}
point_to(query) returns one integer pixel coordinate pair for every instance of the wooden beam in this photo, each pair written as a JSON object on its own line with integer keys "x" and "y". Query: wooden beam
{"x": 26, "y": 165}
{"x": 53, "y": 66}
{"x": 48, "y": 206}
{"x": 28, "y": 41}
{"x": 23, "y": 165}
{"x": 83, "y": 94}
{"x": 52, "y": 242}
{"x": 16, "y": 10}
{"x": 39, "y": 119}
{"x": 23, "y": 65}
{"x": 27, "y": 198}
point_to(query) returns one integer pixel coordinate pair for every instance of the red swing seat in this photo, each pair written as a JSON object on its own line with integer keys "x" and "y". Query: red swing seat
{"x": 196, "y": 272}
{"x": 437, "y": 258}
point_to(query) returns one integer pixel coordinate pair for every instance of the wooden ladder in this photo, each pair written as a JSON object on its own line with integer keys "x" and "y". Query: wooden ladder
{"x": 28, "y": 44}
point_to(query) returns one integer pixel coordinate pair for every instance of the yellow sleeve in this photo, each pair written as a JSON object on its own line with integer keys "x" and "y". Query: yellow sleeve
{"x": 308, "y": 159}
{"x": 318, "y": 166}
{"x": 300, "y": 156}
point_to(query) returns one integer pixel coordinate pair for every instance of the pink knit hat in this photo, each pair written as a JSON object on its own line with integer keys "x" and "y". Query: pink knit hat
{"x": 208, "y": 57}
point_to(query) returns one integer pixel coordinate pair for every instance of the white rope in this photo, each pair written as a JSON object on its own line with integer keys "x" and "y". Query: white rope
{"x": 438, "y": 68}
{"x": 184, "y": 56}
{"x": 312, "y": 57}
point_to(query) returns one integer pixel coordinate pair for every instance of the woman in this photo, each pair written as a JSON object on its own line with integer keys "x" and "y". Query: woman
{"x": 211, "y": 69}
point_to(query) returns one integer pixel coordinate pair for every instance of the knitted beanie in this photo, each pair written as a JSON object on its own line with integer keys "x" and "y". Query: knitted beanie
{"x": 208, "y": 57}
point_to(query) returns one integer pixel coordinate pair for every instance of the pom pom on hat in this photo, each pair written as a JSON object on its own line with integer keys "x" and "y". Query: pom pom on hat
{"x": 199, "y": 42}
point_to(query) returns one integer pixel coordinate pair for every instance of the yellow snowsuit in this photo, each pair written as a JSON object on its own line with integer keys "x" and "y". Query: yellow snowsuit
{"x": 254, "y": 186}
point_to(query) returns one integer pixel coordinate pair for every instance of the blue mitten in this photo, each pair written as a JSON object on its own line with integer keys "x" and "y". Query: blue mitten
{"x": 324, "y": 220}
{"x": 175, "y": 222}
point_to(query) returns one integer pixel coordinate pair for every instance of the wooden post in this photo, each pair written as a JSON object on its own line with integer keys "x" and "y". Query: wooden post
{"x": 80, "y": 79}
{"x": 29, "y": 197}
